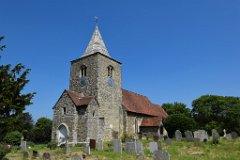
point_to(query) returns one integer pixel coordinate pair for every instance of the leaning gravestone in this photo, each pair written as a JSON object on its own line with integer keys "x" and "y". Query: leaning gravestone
{"x": 87, "y": 149}
{"x": 100, "y": 144}
{"x": 153, "y": 146}
{"x": 139, "y": 148}
{"x": 168, "y": 141}
{"x": 161, "y": 155}
{"x": 24, "y": 146}
{"x": 234, "y": 135}
{"x": 117, "y": 145}
{"x": 188, "y": 135}
{"x": 178, "y": 135}
{"x": 215, "y": 136}
{"x": 229, "y": 136}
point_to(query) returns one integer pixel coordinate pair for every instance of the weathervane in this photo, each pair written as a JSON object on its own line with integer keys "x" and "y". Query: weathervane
{"x": 96, "y": 19}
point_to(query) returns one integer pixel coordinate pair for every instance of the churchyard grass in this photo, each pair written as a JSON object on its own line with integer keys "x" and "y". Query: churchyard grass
{"x": 179, "y": 150}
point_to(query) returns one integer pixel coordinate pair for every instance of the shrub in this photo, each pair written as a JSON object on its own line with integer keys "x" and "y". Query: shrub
{"x": 13, "y": 138}
{"x": 178, "y": 122}
{"x": 52, "y": 145}
{"x": 3, "y": 151}
{"x": 126, "y": 136}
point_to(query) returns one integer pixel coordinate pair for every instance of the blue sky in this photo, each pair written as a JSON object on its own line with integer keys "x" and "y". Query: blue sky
{"x": 171, "y": 50}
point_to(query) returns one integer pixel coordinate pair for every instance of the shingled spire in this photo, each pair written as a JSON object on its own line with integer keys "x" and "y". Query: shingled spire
{"x": 96, "y": 44}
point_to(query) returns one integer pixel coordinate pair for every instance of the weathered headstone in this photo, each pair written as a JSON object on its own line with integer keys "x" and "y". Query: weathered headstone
{"x": 215, "y": 136}
{"x": 188, "y": 135}
{"x": 100, "y": 144}
{"x": 140, "y": 156}
{"x": 168, "y": 141}
{"x": 139, "y": 148}
{"x": 77, "y": 157}
{"x": 87, "y": 149}
{"x": 229, "y": 136}
{"x": 66, "y": 148}
{"x": 178, "y": 135}
{"x": 201, "y": 135}
{"x": 161, "y": 155}
{"x": 25, "y": 154}
{"x": 24, "y": 146}
{"x": 117, "y": 145}
{"x": 234, "y": 135}
{"x": 159, "y": 145}
{"x": 153, "y": 146}
{"x": 131, "y": 147}
{"x": 46, "y": 156}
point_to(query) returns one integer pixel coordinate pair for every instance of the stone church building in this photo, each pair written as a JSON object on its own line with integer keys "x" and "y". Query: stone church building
{"x": 96, "y": 107}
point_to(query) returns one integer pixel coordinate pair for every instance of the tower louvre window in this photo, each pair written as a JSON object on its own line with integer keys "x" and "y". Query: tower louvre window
{"x": 83, "y": 71}
{"x": 110, "y": 71}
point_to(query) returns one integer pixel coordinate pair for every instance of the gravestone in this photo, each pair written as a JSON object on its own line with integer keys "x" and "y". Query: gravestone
{"x": 117, "y": 145}
{"x": 139, "y": 148}
{"x": 100, "y": 144}
{"x": 153, "y": 146}
{"x": 234, "y": 135}
{"x": 77, "y": 157}
{"x": 46, "y": 156}
{"x": 87, "y": 149}
{"x": 188, "y": 135}
{"x": 140, "y": 156}
{"x": 92, "y": 144}
{"x": 66, "y": 148}
{"x": 161, "y": 155}
{"x": 229, "y": 136}
{"x": 25, "y": 154}
{"x": 24, "y": 146}
{"x": 215, "y": 136}
{"x": 159, "y": 145}
{"x": 168, "y": 141}
{"x": 35, "y": 154}
{"x": 178, "y": 135}
{"x": 131, "y": 147}
{"x": 200, "y": 135}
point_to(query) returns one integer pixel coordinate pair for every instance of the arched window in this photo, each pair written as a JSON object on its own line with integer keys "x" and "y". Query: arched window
{"x": 83, "y": 71}
{"x": 110, "y": 71}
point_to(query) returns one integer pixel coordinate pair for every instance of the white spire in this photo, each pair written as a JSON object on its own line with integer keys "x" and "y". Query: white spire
{"x": 96, "y": 44}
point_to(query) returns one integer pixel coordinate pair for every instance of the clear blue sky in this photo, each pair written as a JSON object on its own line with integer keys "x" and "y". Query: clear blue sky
{"x": 171, "y": 50}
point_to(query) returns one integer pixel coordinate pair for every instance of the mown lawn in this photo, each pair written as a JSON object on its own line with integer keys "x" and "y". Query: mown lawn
{"x": 225, "y": 150}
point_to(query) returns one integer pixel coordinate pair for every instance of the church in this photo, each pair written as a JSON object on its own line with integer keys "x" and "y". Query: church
{"x": 96, "y": 106}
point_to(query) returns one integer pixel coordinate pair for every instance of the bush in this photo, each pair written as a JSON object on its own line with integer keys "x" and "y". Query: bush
{"x": 52, "y": 145}
{"x": 126, "y": 136}
{"x": 3, "y": 151}
{"x": 178, "y": 122}
{"x": 13, "y": 138}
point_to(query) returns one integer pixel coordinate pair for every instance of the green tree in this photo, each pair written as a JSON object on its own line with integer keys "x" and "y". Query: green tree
{"x": 219, "y": 112}
{"x": 176, "y": 108}
{"x": 41, "y": 132}
{"x": 12, "y": 99}
{"x": 13, "y": 138}
{"x": 2, "y": 46}
{"x": 178, "y": 122}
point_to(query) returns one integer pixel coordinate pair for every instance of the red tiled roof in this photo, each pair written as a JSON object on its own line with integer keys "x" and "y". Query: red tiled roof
{"x": 137, "y": 103}
{"x": 79, "y": 99}
{"x": 151, "y": 121}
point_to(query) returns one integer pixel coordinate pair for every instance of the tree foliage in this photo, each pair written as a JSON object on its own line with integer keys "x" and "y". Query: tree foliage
{"x": 176, "y": 108}
{"x": 13, "y": 138}
{"x": 217, "y": 112}
{"x": 12, "y": 99}
{"x": 179, "y": 122}
{"x": 41, "y": 132}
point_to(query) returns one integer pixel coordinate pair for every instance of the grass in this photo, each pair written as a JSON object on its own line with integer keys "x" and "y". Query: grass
{"x": 225, "y": 150}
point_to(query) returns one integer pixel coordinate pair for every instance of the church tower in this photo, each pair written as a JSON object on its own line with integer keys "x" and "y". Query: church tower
{"x": 96, "y": 74}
